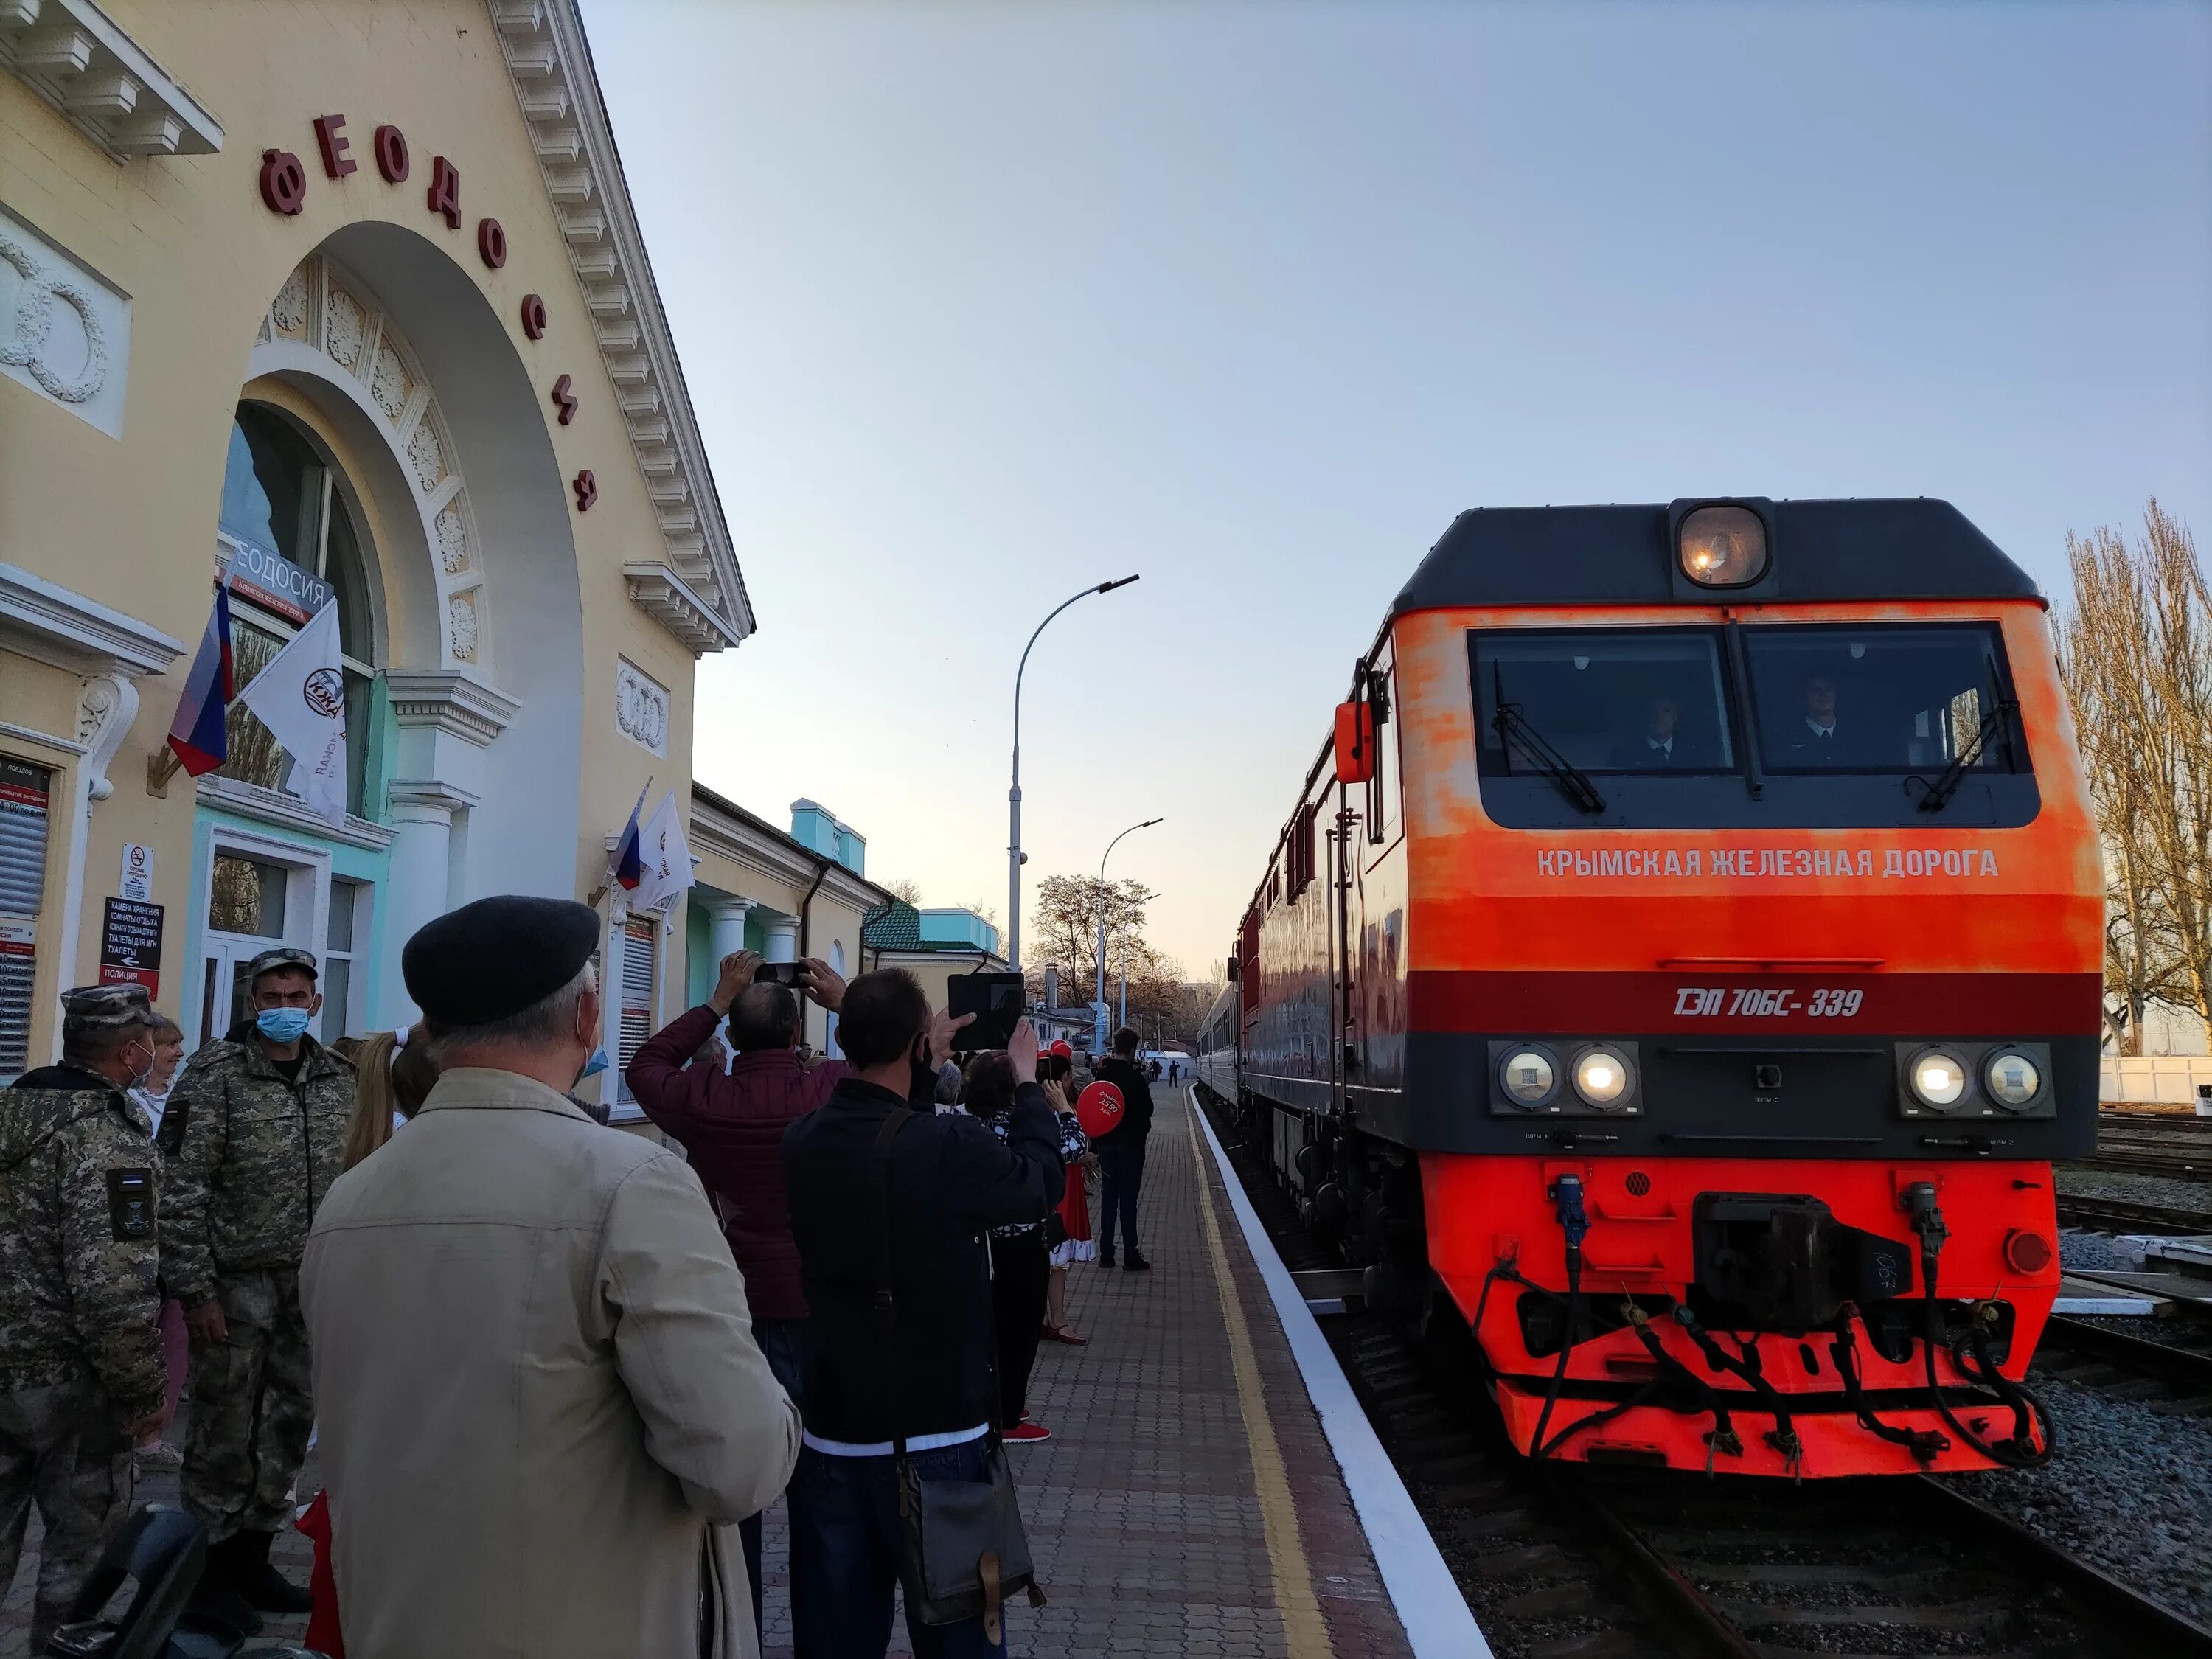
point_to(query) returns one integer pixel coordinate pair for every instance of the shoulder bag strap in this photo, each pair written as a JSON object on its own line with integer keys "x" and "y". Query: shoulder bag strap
{"x": 893, "y": 1123}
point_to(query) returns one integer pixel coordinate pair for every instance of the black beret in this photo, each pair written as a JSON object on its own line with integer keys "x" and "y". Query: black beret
{"x": 496, "y": 957}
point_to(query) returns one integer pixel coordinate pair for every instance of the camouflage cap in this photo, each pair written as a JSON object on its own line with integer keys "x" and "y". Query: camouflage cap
{"x": 92, "y": 1008}
{"x": 284, "y": 955}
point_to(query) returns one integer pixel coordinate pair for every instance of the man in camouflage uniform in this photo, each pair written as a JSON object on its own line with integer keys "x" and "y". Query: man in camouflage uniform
{"x": 255, "y": 1133}
{"x": 81, "y": 1372}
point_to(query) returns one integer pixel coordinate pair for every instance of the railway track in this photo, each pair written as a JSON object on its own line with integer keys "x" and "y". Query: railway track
{"x": 1562, "y": 1562}
{"x": 2119, "y": 1215}
{"x": 2130, "y": 1161}
{"x": 2119, "y": 1361}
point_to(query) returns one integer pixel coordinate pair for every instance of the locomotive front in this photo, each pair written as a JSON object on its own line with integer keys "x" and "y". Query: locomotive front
{"x": 1743, "y": 977}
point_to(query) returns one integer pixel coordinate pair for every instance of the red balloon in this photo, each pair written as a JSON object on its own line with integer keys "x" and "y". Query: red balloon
{"x": 1098, "y": 1108}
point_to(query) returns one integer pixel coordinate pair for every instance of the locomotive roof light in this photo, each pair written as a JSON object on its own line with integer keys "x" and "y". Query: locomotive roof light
{"x": 1937, "y": 1078}
{"x": 1723, "y": 547}
{"x": 1529, "y": 1078}
{"x": 1601, "y": 1076}
{"x": 2014, "y": 1081}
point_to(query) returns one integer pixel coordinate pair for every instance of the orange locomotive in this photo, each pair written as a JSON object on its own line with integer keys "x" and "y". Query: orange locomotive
{"x": 1682, "y": 968}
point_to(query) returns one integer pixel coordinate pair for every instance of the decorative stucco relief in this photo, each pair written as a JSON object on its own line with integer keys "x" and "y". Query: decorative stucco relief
{"x": 641, "y": 708}
{"x": 357, "y": 336}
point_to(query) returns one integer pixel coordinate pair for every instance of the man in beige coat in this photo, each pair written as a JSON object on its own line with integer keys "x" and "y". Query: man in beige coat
{"x": 541, "y": 1410}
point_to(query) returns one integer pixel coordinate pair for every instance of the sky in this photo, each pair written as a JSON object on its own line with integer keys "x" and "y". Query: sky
{"x": 982, "y": 304}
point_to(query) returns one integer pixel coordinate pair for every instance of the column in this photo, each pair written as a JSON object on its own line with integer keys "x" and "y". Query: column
{"x": 446, "y": 720}
{"x": 726, "y": 922}
{"x": 783, "y": 938}
{"x": 420, "y": 885}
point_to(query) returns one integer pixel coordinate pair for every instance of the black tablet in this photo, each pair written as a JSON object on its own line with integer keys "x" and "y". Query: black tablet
{"x": 995, "y": 999}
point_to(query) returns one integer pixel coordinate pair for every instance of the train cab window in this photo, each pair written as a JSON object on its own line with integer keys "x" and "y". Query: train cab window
{"x": 1894, "y": 698}
{"x": 1613, "y": 700}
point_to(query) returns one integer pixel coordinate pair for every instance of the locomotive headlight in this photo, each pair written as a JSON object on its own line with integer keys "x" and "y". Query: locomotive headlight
{"x": 2012, "y": 1080}
{"x": 1723, "y": 547}
{"x": 1529, "y": 1077}
{"x": 1600, "y": 1076}
{"x": 1938, "y": 1078}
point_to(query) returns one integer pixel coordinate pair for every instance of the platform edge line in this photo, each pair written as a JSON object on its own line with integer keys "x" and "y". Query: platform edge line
{"x": 1430, "y": 1608}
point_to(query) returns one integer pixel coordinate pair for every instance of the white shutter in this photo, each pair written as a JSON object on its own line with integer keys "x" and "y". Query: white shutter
{"x": 640, "y": 936}
{"x": 26, "y": 792}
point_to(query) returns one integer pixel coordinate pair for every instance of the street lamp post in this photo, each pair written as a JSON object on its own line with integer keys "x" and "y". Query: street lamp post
{"x": 1014, "y": 794}
{"x": 1099, "y": 1020}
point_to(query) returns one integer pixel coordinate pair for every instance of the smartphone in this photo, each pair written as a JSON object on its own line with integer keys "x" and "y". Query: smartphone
{"x": 995, "y": 999}
{"x": 781, "y": 973}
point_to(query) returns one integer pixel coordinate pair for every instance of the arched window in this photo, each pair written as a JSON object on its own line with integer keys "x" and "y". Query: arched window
{"x": 291, "y": 546}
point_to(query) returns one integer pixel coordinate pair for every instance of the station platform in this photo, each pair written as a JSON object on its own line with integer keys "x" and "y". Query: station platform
{"x": 1190, "y": 1501}
{"x": 1194, "y": 1497}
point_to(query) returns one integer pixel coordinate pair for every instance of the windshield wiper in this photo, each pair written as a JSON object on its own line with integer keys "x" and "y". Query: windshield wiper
{"x": 1511, "y": 725}
{"x": 1939, "y": 792}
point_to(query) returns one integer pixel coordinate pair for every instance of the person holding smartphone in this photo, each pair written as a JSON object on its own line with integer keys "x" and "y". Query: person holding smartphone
{"x": 731, "y": 1125}
{"x": 890, "y": 1203}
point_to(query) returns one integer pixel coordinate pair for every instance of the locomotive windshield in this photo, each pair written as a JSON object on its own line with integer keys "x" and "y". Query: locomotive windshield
{"x": 1831, "y": 723}
{"x": 1902, "y": 699}
{"x": 1612, "y": 700}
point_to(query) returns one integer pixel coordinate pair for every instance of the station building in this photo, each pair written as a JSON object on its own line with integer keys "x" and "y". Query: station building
{"x": 350, "y": 301}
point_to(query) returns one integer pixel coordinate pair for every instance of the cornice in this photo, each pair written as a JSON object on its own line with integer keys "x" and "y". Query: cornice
{"x": 452, "y": 702}
{"x": 47, "y": 621}
{"x": 75, "y": 58}
{"x": 249, "y": 800}
{"x": 550, "y": 63}
{"x": 669, "y": 600}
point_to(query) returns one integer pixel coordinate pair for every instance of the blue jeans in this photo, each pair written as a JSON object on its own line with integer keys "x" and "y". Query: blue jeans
{"x": 779, "y": 1340}
{"x": 845, "y": 1552}
{"x": 1120, "y": 1175}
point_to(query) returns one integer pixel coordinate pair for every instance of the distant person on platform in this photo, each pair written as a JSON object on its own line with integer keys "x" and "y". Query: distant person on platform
{"x": 255, "y": 1133}
{"x": 888, "y": 1200}
{"x": 731, "y": 1125}
{"x": 541, "y": 1403}
{"x": 80, "y": 1367}
{"x": 1121, "y": 1153}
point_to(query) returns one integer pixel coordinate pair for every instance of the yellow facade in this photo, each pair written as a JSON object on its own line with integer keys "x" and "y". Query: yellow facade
{"x": 534, "y": 655}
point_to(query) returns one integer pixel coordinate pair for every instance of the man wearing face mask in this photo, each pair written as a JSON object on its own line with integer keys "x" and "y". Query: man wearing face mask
{"x": 81, "y": 1369}
{"x": 255, "y": 1133}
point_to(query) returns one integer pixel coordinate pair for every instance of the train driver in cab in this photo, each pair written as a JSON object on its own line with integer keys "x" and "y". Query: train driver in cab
{"x": 1825, "y": 736}
{"x": 1661, "y": 745}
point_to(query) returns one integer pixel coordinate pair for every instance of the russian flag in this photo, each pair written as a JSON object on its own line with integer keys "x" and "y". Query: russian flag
{"x": 627, "y": 860}
{"x": 197, "y": 735}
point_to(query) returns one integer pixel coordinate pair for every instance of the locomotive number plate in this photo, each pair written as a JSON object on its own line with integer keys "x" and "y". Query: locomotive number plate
{"x": 1780, "y": 1002}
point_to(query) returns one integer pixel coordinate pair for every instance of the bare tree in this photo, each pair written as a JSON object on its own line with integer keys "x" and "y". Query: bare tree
{"x": 2136, "y": 655}
{"x": 1065, "y": 922}
{"x": 903, "y": 888}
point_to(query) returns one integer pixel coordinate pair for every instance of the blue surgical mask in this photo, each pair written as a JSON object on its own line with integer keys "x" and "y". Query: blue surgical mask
{"x": 594, "y": 1065}
{"x": 281, "y": 1025}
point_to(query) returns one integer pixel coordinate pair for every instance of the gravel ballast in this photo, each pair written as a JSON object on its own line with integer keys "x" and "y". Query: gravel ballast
{"x": 2093, "y": 1253}
{"x": 2133, "y": 1188}
{"x": 2128, "y": 1489}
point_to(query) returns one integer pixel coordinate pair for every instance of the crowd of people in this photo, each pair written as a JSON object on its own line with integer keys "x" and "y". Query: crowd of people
{"x": 536, "y": 1355}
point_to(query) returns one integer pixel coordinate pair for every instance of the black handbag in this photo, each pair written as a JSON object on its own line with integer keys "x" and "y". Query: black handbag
{"x": 963, "y": 1550}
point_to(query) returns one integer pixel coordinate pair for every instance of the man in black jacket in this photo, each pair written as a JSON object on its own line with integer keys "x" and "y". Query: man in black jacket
{"x": 916, "y": 1364}
{"x": 1121, "y": 1151}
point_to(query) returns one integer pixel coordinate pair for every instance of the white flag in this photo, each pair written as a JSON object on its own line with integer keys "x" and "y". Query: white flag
{"x": 300, "y": 698}
{"x": 667, "y": 857}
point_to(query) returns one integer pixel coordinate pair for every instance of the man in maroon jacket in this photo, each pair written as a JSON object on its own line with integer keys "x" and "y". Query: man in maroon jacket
{"x": 732, "y": 1129}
